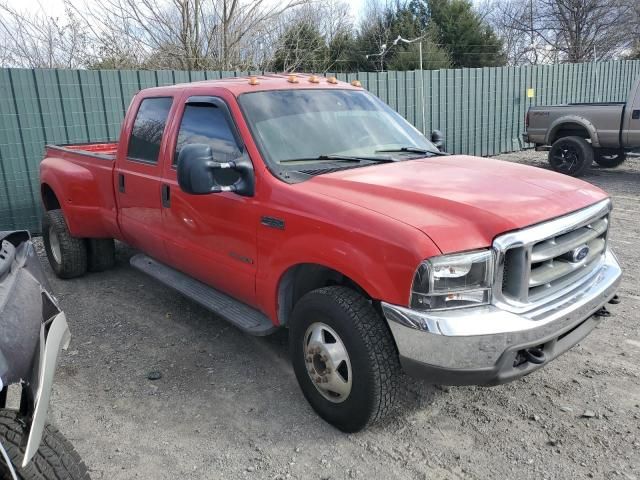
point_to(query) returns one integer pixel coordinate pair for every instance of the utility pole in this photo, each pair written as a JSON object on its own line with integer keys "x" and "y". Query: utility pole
{"x": 419, "y": 40}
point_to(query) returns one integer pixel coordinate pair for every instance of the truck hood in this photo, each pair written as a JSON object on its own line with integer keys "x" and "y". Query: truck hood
{"x": 460, "y": 202}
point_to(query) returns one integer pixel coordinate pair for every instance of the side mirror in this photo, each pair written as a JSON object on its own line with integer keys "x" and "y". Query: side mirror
{"x": 200, "y": 174}
{"x": 437, "y": 138}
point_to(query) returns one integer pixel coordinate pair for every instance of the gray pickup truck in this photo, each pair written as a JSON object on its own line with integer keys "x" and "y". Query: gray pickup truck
{"x": 576, "y": 134}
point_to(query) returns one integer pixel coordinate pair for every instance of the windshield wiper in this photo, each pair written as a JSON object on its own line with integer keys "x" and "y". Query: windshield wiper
{"x": 422, "y": 151}
{"x": 340, "y": 158}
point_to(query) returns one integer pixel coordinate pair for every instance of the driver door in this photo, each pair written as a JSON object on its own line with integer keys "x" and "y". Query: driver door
{"x": 210, "y": 237}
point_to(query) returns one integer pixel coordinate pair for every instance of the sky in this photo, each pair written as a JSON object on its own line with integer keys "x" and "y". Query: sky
{"x": 56, "y": 7}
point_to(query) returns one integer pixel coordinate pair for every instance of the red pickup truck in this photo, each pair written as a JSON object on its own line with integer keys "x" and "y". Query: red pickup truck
{"x": 307, "y": 203}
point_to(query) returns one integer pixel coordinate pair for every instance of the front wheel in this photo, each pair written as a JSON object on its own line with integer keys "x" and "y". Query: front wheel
{"x": 571, "y": 156}
{"x": 344, "y": 357}
{"x": 56, "y": 459}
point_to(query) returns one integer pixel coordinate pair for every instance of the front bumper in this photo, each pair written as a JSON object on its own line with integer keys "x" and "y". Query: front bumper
{"x": 480, "y": 345}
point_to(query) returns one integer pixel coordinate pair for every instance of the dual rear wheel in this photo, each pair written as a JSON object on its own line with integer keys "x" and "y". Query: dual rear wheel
{"x": 574, "y": 155}
{"x": 70, "y": 256}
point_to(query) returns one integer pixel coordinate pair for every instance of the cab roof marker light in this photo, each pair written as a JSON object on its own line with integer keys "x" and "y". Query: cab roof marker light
{"x": 332, "y": 80}
{"x": 292, "y": 79}
{"x": 314, "y": 79}
{"x": 254, "y": 81}
{"x": 356, "y": 83}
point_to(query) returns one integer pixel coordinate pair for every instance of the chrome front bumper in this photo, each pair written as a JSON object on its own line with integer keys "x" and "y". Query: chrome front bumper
{"x": 479, "y": 345}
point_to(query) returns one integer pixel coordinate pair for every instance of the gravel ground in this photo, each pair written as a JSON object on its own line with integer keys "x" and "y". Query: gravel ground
{"x": 228, "y": 406}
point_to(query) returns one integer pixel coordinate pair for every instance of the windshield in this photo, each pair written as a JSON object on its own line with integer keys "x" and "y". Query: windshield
{"x": 309, "y": 125}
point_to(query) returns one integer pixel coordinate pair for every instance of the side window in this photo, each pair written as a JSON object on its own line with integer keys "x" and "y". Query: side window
{"x": 207, "y": 124}
{"x": 148, "y": 127}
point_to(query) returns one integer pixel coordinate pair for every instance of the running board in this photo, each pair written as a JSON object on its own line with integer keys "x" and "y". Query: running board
{"x": 244, "y": 317}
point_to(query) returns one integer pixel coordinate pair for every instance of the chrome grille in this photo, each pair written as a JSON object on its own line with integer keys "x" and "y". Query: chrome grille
{"x": 536, "y": 262}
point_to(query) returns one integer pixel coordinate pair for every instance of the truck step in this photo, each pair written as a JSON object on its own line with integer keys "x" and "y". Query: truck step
{"x": 244, "y": 317}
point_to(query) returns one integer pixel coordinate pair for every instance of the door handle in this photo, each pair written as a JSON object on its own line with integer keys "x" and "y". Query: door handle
{"x": 166, "y": 195}
{"x": 121, "y": 183}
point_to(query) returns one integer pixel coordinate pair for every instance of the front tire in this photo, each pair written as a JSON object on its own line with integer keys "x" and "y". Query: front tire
{"x": 56, "y": 459}
{"x": 571, "y": 155}
{"x": 344, "y": 358}
{"x": 67, "y": 255}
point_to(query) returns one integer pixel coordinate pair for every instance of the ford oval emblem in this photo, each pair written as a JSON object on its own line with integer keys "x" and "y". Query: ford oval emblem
{"x": 580, "y": 253}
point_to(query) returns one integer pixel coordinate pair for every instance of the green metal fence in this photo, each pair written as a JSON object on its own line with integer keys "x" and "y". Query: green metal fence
{"x": 480, "y": 111}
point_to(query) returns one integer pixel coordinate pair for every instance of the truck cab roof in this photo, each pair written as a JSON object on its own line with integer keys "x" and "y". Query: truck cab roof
{"x": 257, "y": 83}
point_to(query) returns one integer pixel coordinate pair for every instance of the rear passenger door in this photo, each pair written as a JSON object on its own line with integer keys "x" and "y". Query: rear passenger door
{"x": 138, "y": 175}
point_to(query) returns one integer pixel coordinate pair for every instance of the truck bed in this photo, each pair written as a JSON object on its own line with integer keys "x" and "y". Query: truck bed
{"x": 606, "y": 118}
{"x": 100, "y": 150}
{"x": 87, "y": 173}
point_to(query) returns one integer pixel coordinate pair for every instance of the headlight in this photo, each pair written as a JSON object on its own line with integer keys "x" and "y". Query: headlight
{"x": 453, "y": 281}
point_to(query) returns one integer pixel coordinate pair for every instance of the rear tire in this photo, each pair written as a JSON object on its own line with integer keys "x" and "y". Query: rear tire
{"x": 102, "y": 254}
{"x": 609, "y": 158}
{"x": 56, "y": 459}
{"x": 67, "y": 255}
{"x": 371, "y": 365}
{"x": 571, "y": 155}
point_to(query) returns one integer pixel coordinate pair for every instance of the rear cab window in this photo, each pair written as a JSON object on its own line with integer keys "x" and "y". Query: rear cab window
{"x": 148, "y": 129}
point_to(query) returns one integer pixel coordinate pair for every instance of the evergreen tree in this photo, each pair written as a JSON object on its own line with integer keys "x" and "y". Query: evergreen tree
{"x": 400, "y": 20}
{"x": 470, "y": 41}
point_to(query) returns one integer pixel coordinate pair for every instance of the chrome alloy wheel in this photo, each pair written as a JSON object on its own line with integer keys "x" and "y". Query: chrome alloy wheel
{"x": 327, "y": 362}
{"x": 54, "y": 243}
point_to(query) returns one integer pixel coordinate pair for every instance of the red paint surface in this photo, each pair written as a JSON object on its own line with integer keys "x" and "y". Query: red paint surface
{"x": 373, "y": 224}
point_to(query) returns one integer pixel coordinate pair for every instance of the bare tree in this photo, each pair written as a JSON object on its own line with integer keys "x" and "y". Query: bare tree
{"x": 541, "y": 31}
{"x": 39, "y": 41}
{"x": 191, "y": 34}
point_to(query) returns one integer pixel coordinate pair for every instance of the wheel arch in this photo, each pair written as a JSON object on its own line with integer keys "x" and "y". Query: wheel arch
{"x": 301, "y": 278}
{"x": 49, "y": 198}
{"x": 572, "y": 126}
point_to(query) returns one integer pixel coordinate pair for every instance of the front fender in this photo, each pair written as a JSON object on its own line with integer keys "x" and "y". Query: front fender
{"x": 583, "y": 122}
{"x": 381, "y": 260}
